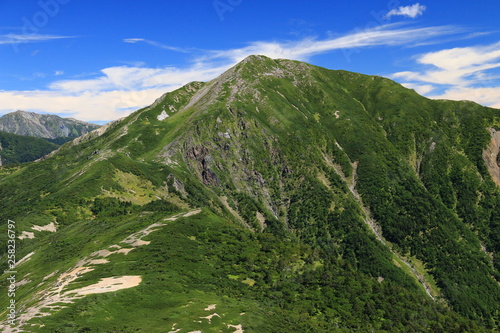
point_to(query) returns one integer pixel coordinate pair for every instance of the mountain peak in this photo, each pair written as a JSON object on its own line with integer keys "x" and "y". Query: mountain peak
{"x": 255, "y": 58}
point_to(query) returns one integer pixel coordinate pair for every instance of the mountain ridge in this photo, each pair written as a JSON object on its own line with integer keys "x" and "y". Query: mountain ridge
{"x": 330, "y": 201}
{"x": 43, "y": 125}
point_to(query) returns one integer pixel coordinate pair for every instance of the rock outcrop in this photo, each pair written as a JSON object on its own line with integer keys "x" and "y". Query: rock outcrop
{"x": 490, "y": 156}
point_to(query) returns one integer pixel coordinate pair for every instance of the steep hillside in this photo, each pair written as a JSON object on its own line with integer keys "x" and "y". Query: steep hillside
{"x": 43, "y": 125}
{"x": 19, "y": 149}
{"x": 279, "y": 197}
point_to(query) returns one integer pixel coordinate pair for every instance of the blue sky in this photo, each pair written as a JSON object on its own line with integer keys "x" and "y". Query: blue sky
{"x": 98, "y": 60}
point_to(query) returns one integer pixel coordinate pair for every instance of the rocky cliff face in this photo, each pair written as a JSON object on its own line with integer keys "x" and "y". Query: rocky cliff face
{"x": 490, "y": 156}
{"x": 43, "y": 125}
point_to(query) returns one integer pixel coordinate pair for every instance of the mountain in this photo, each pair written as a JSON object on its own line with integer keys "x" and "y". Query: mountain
{"x": 277, "y": 197}
{"x": 43, "y": 125}
{"x": 19, "y": 149}
{"x": 28, "y": 136}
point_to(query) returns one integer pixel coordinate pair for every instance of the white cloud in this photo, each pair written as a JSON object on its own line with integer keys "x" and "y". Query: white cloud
{"x": 422, "y": 89}
{"x": 412, "y": 11}
{"x": 137, "y": 78}
{"x": 119, "y": 90}
{"x": 28, "y": 38}
{"x": 458, "y": 66}
{"x": 150, "y": 42}
{"x": 489, "y": 96}
{"x": 89, "y": 106}
{"x": 116, "y": 93}
{"x": 388, "y": 35}
{"x": 461, "y": 73}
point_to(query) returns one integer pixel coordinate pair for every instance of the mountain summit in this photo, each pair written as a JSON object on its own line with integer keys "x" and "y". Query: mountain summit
{"x": 277, "y": 197}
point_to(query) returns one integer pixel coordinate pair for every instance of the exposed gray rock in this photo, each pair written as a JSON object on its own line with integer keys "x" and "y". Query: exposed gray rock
{"x": 47, "y": 126}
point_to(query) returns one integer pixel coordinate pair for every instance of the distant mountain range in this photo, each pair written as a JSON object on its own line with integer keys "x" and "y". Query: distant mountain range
{"x": 47, "y": 126}
{"x": 27, "y": 136}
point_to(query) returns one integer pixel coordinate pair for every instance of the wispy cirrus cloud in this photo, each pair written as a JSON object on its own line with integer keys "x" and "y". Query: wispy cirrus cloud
{"x": 157, "y": 44}
{"x": 116, "y": 91}
{"x": 28, "y": 38}
{"x": 459, "y": 73}
{"x": 387, "y": 35}
{"x": 412, "y": 11}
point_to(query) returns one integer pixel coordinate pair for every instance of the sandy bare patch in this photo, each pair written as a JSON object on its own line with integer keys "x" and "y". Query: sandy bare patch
{"x": 27, "y": 234}
{"x": 116, "y": 249}
{"x": 73, "y": 275}
{"x": 102, "y": 253}
{"x": 110, "y": 284}
{"x": 193, "y": 212}
{"x": 135, "y": 239}
{"x": 24, "y": 259}
{"x": 173, "y": 218}
{"x": 209, "y": 318}
{"x": 124, "y": 251}
{"x": 49, "y": 227}
{"x": 173, "y": 330}
{"x": 239, "y": 328}
{"x": 211, "y": 307}
{"x": 22, "y": 282}
{"x": 50, "y": 275}
{"x": 140, "y": 242}
{"x": 98, "y": 261}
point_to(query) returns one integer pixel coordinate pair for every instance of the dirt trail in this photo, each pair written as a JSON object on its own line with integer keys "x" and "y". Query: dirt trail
{"x": 373, "y": 225}
{"x": 53, "y": 295}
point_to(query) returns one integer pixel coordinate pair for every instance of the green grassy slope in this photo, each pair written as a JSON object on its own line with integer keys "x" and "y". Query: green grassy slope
{"x": 320, "y": 200}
